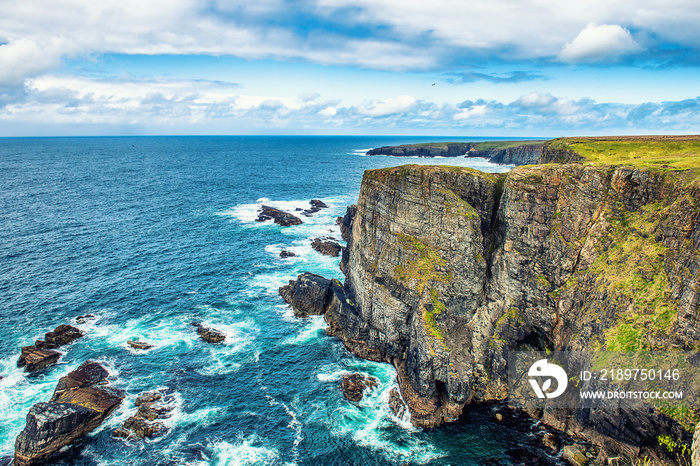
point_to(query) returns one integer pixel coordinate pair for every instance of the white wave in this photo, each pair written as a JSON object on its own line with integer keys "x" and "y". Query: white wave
{"x": 370, "y": 423}
{"x": 246, "y": 451}
{"x": 310, "y": 331}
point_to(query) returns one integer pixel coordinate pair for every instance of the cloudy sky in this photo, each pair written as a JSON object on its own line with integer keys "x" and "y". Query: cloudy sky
{"x": 400, "y": 67}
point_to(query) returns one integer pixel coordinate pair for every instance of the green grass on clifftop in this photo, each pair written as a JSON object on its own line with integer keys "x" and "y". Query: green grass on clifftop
{"x": 648, "y": 152}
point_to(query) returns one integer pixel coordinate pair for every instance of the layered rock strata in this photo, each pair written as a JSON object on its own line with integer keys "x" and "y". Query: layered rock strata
{"x": 448, "y": 269}
{"x": 42, "y": 353}
{"x": 81, "y": 401}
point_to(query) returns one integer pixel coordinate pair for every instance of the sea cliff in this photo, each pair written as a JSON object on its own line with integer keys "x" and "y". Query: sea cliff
{"x": 447, "y": 269}
{"x": 507, "y": 152}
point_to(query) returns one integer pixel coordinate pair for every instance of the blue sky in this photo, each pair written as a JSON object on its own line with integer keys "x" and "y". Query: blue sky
{"x": 446, "y": 67}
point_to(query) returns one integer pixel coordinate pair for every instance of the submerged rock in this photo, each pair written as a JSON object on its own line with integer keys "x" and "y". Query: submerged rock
{"x": 327, "y": 247}
{"x": 85, "y": 318}
{"x": 34, "y": 359}
{"x": 280, "y": 217}
{"x": 354, "y": 385}
{"x": 77, "y": 407}
{"x": 285, "y": 254}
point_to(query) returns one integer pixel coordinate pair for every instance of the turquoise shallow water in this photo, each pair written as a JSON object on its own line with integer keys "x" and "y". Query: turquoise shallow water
{"x": 150, "y": 234}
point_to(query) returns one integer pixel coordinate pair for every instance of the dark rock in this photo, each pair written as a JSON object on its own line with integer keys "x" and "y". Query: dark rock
{"x": 139, "y": 345}
{"x": 76, "y": 409}
{"x": 354, "y": 385}
{"x": 137, "y": 427}
{"x": 328, "y": 248}
{"x": 34, "y": 359}
{"x": 148, "y": 397}
{"x": 62, "y": 335}
{"x": 147, "y": 412}
{"x": 310, "y": 294}
{"x": 88, "y": 374}
{"x": 284, "y": 254}
{"x": 398, "y": 407}
{"x": 280, "y": 217}
{"x": 210, "y": 335}
{"x": 316, "y": 205}
{"x": 141, "y": 424}
{"x": 85, "y": 318}
{"x": 345, "y": 222}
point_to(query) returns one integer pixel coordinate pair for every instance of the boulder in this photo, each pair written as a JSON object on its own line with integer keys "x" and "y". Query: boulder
{"x": 62, "y": 335}
{"x": 148, "y": 397}
{"x": 285, "y": 254}
{"x": 316, "y": 205}
{"x": 309, "y": 294}
{"x": 208, "y": 334}
{"x": 137, "y": 427}
{"x": 354, "y": 385}
{"x": 139, "y": 345}
{"x": 141, "y": 424}
{"x": 280, "y": 217}
{"x": 327, "y": 247}
{"x": 34, "y": 359}
{"x": 76, "y": 409}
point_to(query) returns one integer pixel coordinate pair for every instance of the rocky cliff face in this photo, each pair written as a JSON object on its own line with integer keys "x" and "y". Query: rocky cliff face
{"x": 447, "y": 269}
{"x": 525, "y": 154}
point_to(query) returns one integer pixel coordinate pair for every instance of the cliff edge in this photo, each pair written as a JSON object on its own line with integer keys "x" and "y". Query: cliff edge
{"x": 448, "y": 269}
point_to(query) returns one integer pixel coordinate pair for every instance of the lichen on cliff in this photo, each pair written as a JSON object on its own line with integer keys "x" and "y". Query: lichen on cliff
{"x": 422, "y": 265}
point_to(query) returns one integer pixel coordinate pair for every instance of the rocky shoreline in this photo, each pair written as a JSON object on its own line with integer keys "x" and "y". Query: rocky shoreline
{"x": 511, "y": 152}
{"x": 518, "y": 261}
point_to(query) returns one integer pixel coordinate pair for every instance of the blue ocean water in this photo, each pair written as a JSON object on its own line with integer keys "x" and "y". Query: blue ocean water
{"x": 150, "y": 234}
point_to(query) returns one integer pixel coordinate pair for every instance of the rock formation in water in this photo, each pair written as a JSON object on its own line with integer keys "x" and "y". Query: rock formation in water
{"x": 81, "y": 401}
{"x": 514, "y": 153}
{"x": 280, "y": 217}
{"x": 327, "y": 247}
{"x": 448, "y": 269}
{"x": 354, "y": 385}
{"x": 143, "y": 423}
{"x": 208, "y": 334}
{"x": 42, "y": 353}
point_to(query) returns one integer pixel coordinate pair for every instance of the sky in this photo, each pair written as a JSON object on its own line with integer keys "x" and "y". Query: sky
{"x": 531, "y": 68}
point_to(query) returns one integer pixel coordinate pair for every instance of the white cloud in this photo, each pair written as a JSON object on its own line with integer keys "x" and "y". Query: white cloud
{"x": 20, "y": 58}
{"x": 598, "y": 43}
{"x": 401, "y": 104}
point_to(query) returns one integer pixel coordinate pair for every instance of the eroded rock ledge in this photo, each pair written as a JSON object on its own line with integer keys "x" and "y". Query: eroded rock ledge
{"x": 448, "y": 268}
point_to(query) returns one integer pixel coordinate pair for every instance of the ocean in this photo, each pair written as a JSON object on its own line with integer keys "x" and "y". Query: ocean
{"x": 149, "y": 234}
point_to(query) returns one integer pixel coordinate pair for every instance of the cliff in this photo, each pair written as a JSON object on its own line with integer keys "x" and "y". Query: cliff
{"x": 448, "y": 269}
{"x": 508, "y": 152}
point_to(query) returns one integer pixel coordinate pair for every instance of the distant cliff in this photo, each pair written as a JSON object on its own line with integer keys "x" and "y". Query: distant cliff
{"x": 508, "y": 152}
{"x": 448, "y": 268}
